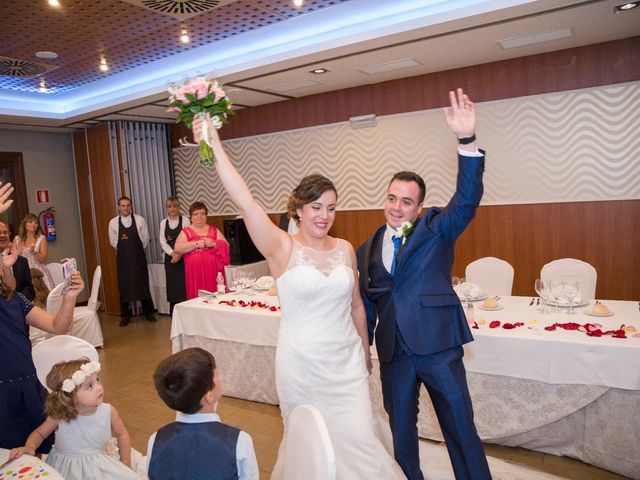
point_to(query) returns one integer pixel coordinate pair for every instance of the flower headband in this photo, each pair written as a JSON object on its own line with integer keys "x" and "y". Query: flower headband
{"x": 79, "y": 376}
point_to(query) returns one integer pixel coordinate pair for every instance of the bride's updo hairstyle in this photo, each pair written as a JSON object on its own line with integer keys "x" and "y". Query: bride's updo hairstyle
{"x": 308, "y": 190}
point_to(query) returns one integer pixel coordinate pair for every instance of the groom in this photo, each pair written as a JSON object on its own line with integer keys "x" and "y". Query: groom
{"x": 405, "y": 280}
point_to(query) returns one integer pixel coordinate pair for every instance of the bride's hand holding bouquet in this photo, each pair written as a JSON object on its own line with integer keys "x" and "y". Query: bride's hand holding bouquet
{"x": 201, "y": 99}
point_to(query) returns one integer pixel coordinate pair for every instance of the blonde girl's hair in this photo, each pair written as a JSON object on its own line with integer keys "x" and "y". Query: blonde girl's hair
{"x": 61, "y": 405}
{"x": 22, "y": 229}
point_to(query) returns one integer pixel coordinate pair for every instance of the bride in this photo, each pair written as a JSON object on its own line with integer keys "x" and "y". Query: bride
{"x": 322, "y": 356}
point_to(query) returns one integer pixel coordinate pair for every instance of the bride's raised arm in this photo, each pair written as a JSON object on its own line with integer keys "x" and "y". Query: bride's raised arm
{"x": 270, "y": 240}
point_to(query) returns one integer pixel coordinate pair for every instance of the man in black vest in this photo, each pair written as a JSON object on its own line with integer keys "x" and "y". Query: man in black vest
{"x": 20, "y": 270}
{"x": 129, "y": 235}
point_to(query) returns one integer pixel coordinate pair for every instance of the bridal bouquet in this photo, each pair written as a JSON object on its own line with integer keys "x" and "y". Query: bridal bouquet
{"x": 200, "y": 96}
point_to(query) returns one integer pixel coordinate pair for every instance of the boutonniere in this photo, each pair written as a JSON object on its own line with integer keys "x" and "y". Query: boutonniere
{"x": 404, "y": 230}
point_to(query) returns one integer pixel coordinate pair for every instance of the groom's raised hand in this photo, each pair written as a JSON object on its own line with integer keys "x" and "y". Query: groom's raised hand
{"x": 461, "y": 116}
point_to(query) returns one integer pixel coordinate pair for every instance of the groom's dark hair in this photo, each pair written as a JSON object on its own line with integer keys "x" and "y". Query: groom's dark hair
{"x": 406, "y": 176}
{"x": 184, "y": 378}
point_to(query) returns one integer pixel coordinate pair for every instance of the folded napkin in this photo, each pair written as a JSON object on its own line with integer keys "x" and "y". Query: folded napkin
{"x": 265, "y": 282}
{"x": 563, "y": 293}
{"x": 468, "y": 289}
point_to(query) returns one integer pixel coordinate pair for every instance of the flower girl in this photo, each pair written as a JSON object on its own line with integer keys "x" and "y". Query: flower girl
{"x": 83, "y": 426}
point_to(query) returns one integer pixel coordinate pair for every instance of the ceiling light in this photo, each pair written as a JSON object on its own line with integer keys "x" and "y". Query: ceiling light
{"x": 626, "y": 6}
{"x": 184, "y": 37}
{"x": 103, "y": 64}
{"x": 45, "y": 54}
{"x": 389, "y": 66}
{"x": 298, "y": 3}
{"x": 534, "y": 38}
{"x": 43, "y": 86}
{"x": 54, "y": 3}
{"x": 319, "y": 71}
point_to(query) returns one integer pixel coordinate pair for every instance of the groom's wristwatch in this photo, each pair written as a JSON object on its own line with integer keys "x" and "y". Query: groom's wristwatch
{"x": 467, "y": 140}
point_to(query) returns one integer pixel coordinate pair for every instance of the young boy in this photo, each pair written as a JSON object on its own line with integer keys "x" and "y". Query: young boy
{"x": 197, "y": 444}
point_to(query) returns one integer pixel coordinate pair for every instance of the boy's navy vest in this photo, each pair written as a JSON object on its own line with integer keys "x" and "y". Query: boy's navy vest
{"x": 194, "y": 450}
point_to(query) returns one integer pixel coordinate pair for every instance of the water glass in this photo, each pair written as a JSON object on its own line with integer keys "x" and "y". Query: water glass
{"x": 542, "y": 291}
{"x": 571, "y": 290}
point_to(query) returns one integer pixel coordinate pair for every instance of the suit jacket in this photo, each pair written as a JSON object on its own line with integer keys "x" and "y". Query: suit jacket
{"x": 419, "y": 300}
{"x": 22, "y": 274}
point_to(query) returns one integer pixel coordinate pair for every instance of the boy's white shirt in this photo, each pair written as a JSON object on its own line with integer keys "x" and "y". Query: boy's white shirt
{"x": 245, "y": 454}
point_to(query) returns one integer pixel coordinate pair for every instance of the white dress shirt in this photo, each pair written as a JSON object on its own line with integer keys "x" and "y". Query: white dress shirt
{"x": 141, "y": 224}
{"x": 172, "y": 224}
{"x": 245, "y": 454}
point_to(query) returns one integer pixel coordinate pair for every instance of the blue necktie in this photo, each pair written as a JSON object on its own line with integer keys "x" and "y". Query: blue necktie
{"x": 397, "y": 241}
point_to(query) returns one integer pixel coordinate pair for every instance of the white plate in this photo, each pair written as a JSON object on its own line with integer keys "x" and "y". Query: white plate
{"x": 610, "y": 314}
{"x": 583, "y": 303}
{"x": 491, "y": 309}
{"x": 477, "y": 299}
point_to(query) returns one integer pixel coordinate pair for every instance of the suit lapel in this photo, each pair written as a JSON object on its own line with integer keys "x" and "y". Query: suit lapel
{"x": 367, "y": 255}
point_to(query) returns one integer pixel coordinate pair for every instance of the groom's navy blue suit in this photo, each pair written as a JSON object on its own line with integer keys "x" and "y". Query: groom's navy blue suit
{"x": 421, "y": 328}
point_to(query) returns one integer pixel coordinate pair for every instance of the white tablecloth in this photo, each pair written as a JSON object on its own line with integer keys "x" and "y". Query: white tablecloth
{"x": 559, "y": 357}
{"x": 559, "y": 392}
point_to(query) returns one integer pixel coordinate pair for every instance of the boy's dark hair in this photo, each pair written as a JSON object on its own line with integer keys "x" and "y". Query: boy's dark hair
{"x": 183, "y": 379}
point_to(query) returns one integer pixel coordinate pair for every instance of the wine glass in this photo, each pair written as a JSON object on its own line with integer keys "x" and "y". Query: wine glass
{"x": 541, "y": 289}
{"x": 571, "y": 291}
{"x": 556, "y": 290}
{"x": 465, "y": 290}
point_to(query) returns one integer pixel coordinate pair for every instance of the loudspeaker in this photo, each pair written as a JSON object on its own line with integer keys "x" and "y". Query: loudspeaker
{"x": 241, "y": 247}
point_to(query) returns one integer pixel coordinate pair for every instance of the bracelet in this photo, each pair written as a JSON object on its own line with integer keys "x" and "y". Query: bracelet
{"x": 467, "y": 140}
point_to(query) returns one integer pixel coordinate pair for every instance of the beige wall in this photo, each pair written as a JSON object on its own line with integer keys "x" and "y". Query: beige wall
{"x": 49, "y": 164}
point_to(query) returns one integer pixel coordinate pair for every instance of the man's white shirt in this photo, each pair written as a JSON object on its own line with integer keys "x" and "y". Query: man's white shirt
{"x": 141, "y": 224}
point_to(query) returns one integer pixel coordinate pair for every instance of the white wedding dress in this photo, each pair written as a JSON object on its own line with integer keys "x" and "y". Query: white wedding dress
{"x": 320, "y": 360}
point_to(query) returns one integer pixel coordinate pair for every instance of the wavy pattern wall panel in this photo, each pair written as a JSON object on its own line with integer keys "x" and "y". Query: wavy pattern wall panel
{"x": 571, "y": 146}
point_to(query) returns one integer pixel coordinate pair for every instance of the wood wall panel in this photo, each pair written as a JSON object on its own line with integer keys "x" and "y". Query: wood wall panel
{"x": 604, "y": 234}
{"x": 80, "y": 154}
{"x": 102, "y": 184}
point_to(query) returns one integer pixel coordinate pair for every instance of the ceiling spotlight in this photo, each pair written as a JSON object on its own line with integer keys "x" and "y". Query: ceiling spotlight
{"x": 626, "y": 6}
{"x": 103, "y": 64}
{"x": 184, "y": 36}
{"x": 319, "y": 71}
{"x": 43, "y": 86}
{"x": 45, "y": 54}
{"x": 298, "y": 3}
{"x": 54, "y": 3}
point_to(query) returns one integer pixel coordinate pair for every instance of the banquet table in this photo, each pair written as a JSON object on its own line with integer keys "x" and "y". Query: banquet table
{"x": 559, "y": 392}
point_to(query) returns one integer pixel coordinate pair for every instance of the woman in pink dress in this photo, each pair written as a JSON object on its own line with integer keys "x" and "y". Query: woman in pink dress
{"x": 204, "y": 249}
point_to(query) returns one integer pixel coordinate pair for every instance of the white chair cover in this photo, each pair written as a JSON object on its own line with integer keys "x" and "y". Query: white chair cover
{"x": 572, "y": 270}
{"x": 60, "y": 348}
{"x": 86, "y": 323}
{"x": 492, "y": 275}
{"x": 54, "y": 299}
{"x": 308, "y": 452}
{"x": 55, "y": 269}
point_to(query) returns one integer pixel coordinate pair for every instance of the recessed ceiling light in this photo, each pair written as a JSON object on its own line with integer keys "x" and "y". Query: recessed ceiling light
{"x": 298, "y": 3}
{"x": 626, "y": 6}
{"x": 534, "y": 38}
{"x": 43, "y": 86}
{"x": 54, "y": 3}
{"x": 103, "y": 64}
{"x": 184, "y": 37}
{"x": 319, "y": 71}
{"x": 45, "y": 54}
{"x": 389, "y": 66}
